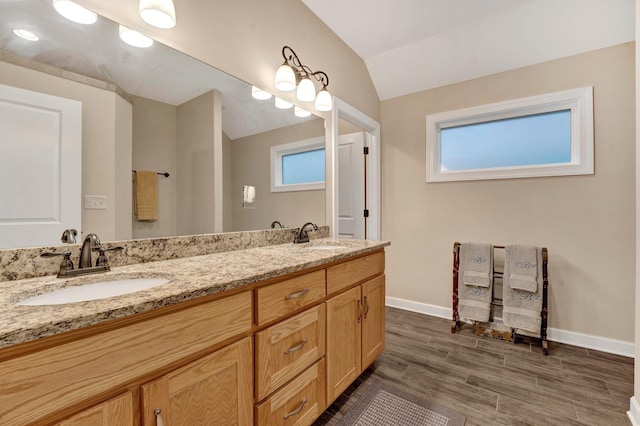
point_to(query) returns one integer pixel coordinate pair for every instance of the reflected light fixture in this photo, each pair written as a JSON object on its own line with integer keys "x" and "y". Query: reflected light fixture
{"x": 294, "y": 74}
{"x": 25, "y": 34}
{"x": 134, "y": 38}
{"x": 282, "y": 104}
{"x": 301, "y": 112}
{"x": 159, "y": 13}
{"x": 260, "y": 94}
{"x": 74, "y": 12}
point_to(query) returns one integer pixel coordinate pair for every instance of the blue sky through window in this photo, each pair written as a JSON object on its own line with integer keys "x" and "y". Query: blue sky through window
{"x": 520, "y": 141}
{"x": 303, "y": 167}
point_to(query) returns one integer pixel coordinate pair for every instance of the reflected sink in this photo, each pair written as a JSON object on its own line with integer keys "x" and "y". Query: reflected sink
{"x": 325, "y": 247}
{"x": 94, "y": 291}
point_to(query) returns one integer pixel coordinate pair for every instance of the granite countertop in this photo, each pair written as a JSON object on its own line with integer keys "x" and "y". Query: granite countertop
{"x": 190, "y": 278}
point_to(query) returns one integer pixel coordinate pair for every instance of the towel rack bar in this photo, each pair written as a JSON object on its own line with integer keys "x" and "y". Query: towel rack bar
{"x": 165, "y": 174}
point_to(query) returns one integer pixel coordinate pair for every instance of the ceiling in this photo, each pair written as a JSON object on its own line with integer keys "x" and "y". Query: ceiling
{"x": 414, "y": 45}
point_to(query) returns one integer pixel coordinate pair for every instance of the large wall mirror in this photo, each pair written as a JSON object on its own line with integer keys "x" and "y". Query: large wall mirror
{"x": 156, "y": 109}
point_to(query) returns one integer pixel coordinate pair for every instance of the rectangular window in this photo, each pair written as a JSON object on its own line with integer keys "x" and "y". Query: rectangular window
{"x": 546, "y": 135}
{"x": 298, "y": 166}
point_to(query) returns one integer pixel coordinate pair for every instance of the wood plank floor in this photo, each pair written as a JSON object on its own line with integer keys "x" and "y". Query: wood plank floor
{"x": 493, "y": 382}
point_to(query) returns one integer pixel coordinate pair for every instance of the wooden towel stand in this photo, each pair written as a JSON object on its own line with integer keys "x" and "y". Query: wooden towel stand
{"x": 513, "y": 334}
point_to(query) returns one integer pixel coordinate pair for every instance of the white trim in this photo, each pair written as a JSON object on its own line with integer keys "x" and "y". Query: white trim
{"x": 573, "y": 338}
{"x": 634, "y": 411}
{"x": 579, "y": 101}
{"x": 344, "y": 111}
{"x": 279, "y": 151}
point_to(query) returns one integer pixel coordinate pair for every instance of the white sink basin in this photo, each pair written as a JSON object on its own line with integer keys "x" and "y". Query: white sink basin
{"x": 95, "y": 291}
{"x": 325, "y": 247}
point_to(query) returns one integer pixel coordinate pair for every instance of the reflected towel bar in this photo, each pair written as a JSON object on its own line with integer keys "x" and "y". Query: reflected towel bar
{"x": 165, "y": 174}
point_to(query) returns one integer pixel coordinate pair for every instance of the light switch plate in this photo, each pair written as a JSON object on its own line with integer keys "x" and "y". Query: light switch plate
{"x": 95, "y": 202}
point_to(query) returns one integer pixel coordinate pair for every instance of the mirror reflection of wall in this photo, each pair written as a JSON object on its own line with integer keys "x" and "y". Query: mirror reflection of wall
{"x": 140, "y": 112}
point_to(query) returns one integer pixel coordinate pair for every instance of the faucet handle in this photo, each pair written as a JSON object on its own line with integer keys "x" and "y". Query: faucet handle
{"x": 66, "y": 264}
{"x": 102, "y": 258}
{"x": 69, "y": 236}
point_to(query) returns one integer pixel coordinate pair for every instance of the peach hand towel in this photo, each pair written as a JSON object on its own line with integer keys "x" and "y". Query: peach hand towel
{"x": 146, "y": 195}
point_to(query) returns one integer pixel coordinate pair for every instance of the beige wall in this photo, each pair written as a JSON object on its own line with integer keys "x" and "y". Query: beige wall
{"x": 154, "y": 148}
{"x": 102, "y": 140}
{"x": 245, "y": 38}
{"x": 251, "y": 165}
{"x": 123, "y": 201}
{"x": 195, "y": 165}
{"x": 587, "y": 222}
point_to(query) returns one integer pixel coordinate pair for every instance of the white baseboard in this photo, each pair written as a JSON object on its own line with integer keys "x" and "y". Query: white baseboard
{"x": 588, "y": 341}
{"x": 634, "y": 411}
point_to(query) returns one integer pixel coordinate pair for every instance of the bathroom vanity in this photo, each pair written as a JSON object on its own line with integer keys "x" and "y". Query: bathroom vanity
{"x": 244, "y": 337}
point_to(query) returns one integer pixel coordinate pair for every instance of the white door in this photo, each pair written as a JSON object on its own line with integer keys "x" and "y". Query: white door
{"x": 40, "y": 167}
{"x": 351, "y": 186}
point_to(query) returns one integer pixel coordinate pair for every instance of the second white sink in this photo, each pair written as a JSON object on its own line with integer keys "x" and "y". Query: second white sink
{"x": 95, "y": 291}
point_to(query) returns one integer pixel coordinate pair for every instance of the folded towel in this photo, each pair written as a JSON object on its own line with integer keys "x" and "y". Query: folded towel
{"x": 522, "y": 309}
{"x": 475, "y": 287}
{"x": 523, "y": 270}
{"x": 146, "y": 199}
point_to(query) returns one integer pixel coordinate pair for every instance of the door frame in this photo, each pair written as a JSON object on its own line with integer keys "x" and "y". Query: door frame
{"x": 342, "y": 110}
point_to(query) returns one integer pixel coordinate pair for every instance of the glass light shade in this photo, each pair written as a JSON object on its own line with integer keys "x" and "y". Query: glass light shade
{"x": 27, "y": 35}
{"x": 324, "y": 101}
{"x": 285, "y": 78}
{"x": 159, "y": 13}
{"x": 260, "y": 94}
{"x": 301, "y": 112}
{"x": 282, "y": 104}
{"x": 306, "y": 90}
{"x": 134, "y": 38}
{"x": 74, "y": 12}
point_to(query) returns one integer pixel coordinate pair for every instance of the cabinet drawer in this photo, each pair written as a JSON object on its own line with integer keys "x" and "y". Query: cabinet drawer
{"x": 299, "y": 403}
{"x": 277, "y": 300}
{"x": 285, "y": 349}
{"x": 345, "y": 274}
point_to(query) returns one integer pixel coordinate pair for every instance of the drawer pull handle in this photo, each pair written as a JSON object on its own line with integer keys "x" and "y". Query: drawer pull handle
{"x": 297, "y": 295}
{"x": 366, "y": 303}
{"x": 157, "y": 412}
{"x": 296, "y": 348}
{"x": 297, "y": 410}
{"x": 359, "y": 311}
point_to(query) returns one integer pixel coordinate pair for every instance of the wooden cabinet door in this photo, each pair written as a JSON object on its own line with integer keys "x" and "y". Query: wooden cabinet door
{"x": 373, "y": 320}
{"x": 116, "y": 412}
{"x": 344, "y": 317}
{"x": 216, "y": 389}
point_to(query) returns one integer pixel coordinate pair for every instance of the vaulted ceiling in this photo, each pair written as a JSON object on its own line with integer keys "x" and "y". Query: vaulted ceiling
{"x": 414, "y": 45}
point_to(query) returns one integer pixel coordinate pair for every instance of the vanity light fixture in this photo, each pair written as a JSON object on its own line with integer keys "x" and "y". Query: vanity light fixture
{"x": 301, "y": 112}
{"x": 282, "y": 104}
{"x": 134, "y": 38}
{"x": 25, "y": 34}
{"x": 74, "y": 12}
{"x": 260, "y": 94}
{"x": 293, "y": 73}
{"x": 159, "y": 13}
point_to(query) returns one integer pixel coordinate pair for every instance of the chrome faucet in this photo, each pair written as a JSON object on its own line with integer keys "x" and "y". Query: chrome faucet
{"x": 302, "y": 236}
{"x": 91, "y": 242}
{"x": 276, "y": 222}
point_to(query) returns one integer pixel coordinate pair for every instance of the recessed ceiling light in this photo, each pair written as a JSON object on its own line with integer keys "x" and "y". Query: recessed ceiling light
{"x": 28, "y": 35}
{"x": 159, "y": 13}
{"x": 134, "y": 38}
{"x": 74, "y": 12}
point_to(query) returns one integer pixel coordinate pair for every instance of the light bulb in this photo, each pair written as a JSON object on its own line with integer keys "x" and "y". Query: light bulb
{"x": 301, "y": 112}
{"x": 134, "y": 38}
{"x": 27, "y": 35}
{"x": 306, "y": 90}
{"x": 159, "y": 13}
{"x": 282, "y": 104}
{"x": 74, "y": 12}
{"x": 285, "y": 78}
{"x": 324, "y": 100}
{"x": 260, "y": 94}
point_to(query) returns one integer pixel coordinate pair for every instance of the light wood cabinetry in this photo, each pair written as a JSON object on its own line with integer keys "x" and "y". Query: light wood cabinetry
{"x": 214, "y": 390}
{"x": 118, "y": 411}
{"x": 373, "y": 320}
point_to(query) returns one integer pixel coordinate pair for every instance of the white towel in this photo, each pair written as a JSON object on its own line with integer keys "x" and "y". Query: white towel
{"x": 475, "y": 282}
{"x": 522, "y": 266}
{"x": 522, "y": 309}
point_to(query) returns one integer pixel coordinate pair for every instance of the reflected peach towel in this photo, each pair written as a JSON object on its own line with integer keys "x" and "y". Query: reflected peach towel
{"x": 146, "y": 199}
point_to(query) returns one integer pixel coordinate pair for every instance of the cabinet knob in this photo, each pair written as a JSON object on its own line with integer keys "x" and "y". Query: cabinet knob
{"x": 159, "y": 421}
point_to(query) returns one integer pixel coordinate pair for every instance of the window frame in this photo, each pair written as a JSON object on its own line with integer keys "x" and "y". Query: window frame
{"x": 579, "y": 101}
{"x": 279, "y": 151}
